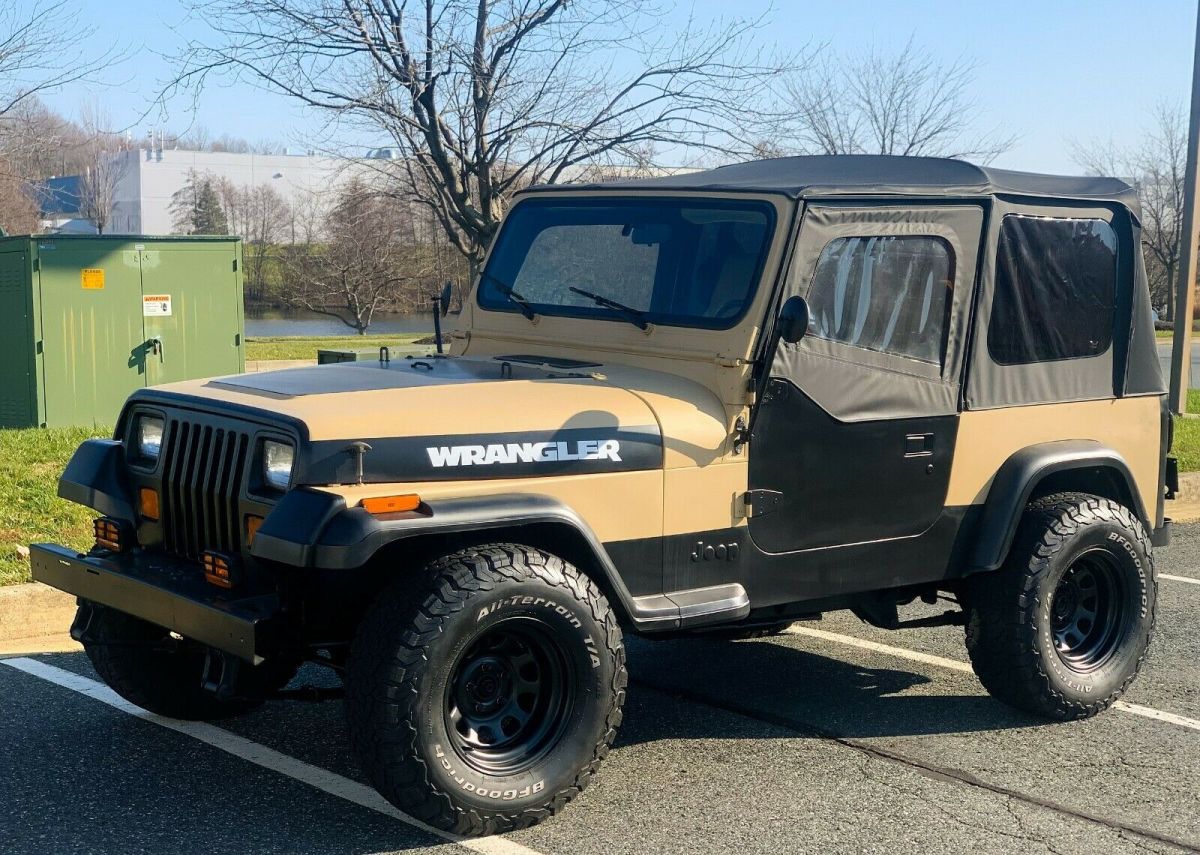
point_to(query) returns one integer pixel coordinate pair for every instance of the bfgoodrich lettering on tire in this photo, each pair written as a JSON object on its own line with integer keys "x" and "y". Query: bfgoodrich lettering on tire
{"x": 486, "y": 699}
{"x": 1063, "y": 627}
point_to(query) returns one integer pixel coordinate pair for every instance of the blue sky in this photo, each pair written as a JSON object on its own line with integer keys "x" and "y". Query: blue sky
{"x": 1049, "y": 72}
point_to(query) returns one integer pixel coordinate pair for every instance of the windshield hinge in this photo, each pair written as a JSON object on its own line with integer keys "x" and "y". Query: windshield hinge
{"x": 731, "y": 361}
{"x": 741, "y": 435}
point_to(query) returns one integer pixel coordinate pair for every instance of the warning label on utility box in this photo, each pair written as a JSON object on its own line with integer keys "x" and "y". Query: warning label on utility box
{"x": 91, "y": 278}
{"x": 156, "y": 305}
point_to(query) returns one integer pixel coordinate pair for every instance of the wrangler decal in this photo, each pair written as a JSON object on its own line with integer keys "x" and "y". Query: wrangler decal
{"x": 524, "y": 452}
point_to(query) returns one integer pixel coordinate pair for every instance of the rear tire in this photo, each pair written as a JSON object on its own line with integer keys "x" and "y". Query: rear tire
{"x": 166, "y": 679}
{"x": 485, "y": 699}
{"x": 1062, "y": 628}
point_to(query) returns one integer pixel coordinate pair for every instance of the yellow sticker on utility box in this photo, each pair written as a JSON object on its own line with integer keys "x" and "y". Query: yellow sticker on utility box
{"x": 156, "y": 305}
{"x": 91, "y": 278}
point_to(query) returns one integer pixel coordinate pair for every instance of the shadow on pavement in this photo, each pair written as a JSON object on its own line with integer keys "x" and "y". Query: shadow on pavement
{"x": 814, "y": 694}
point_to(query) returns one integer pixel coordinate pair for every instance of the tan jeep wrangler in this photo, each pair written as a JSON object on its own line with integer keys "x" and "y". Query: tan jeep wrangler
{"x": 709, "y": 404}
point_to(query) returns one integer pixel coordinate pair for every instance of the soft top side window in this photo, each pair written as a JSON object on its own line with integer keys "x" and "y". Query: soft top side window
{"x": 886, "y": 293}
{"x": 1055, "y": 290}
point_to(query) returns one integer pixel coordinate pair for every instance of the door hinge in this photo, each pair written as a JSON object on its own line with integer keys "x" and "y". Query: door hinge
{"x": 37, "y": 265}
{"x": 761, "y": 502}
{"x": 235, "y": 265}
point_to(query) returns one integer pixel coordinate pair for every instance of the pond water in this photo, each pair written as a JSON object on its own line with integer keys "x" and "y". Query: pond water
{"x": 276, "y": 322}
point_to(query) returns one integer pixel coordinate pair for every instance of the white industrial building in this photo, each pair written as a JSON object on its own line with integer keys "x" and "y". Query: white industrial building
{"x": 146, "y": 179}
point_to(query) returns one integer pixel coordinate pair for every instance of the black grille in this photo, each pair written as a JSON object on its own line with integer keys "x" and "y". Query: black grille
{"x": 203, "y": 467}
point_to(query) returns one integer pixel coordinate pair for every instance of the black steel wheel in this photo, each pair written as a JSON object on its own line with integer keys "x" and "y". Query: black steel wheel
{"x": 1089, "y": 611}
{"x": 509, "y": 698}
{"x": 1062, "y": 628}
{"x": 483, "y": 696}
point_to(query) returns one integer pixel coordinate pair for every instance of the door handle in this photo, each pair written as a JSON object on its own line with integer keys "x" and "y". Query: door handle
{"x": 156, "y": 347}
{"x": 918, "y": 445}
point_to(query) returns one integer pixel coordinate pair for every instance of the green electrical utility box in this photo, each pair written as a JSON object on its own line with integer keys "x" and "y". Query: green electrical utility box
{"x": 86, "y": 319}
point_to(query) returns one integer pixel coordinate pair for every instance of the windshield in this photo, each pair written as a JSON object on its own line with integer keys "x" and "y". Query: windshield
{"x": 678, "y": 262}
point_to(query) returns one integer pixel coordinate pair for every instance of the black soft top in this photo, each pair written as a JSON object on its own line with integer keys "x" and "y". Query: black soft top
{"x": 870, "y": 174}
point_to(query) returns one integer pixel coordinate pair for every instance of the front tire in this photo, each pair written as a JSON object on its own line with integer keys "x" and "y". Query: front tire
{"x": 486, "y": 700}
{"x": 143, "y": 664}
{"x": 1062, "y": 628}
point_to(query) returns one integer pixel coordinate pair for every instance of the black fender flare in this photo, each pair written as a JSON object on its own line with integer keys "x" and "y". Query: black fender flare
{"x": 312, "y": 528}
{"x": 95, "y": 478}
{"x": 1020, "y": 475}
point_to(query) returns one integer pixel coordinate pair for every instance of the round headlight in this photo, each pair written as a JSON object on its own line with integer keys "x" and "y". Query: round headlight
{"x": 277, "y": 464}
{"x": 149, "y": 436}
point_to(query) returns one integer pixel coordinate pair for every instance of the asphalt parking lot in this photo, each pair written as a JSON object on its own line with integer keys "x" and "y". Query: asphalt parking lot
{"x": 833, "y": 738}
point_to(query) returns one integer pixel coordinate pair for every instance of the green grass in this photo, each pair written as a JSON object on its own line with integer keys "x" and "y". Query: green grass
{"x": 30, "y": 511}
{"x": 1186, "y": 447}
{"x": 1170, "y": 334}
{"x": 305, "y": 347}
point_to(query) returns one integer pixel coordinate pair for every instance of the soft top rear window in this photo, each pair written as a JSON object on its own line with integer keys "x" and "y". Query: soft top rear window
{"x": 672, "y": 261}
{"x": 1056, "y": 286}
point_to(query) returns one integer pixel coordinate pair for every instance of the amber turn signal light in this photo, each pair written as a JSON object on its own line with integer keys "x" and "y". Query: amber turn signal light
{"x": 217, "y": 570}
{"x": 252, "y": 525}
{"x": 111, "y": 534}
{"x": 148, "y": 503}
{"x": 392, "y": 504}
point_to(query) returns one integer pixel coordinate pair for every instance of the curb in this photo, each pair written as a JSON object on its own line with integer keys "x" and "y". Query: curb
{"x": 33, "y": 610}
{"x": 1186, "y": 508}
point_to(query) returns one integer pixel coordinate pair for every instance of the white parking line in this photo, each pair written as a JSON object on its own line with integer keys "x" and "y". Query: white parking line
{"x": 964, "y": 667}
{"x": 1187, "y": 579}
{"x": 268, "y": 758}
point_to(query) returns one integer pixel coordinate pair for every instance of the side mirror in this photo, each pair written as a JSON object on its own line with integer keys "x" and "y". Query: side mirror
{"x": 793, "y": 320}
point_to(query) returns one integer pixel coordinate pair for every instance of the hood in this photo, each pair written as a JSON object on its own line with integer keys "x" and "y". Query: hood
{"x": 440, "y": 418}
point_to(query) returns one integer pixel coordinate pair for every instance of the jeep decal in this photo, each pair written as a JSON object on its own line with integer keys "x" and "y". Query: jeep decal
{"x": 523, "y": 452}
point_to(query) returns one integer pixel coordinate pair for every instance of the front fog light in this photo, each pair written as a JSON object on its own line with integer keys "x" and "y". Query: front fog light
{"x": 149, "y": 436}
{"x": 277, "y": 464}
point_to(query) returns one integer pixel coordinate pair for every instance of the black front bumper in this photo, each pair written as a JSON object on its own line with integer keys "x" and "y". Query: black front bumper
{"x": 168, "y": 592}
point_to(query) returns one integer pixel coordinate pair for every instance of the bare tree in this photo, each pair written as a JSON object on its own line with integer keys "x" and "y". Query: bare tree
{"x": 38, "y": 142}
{"x": 102, "y": 171}
{"x": 265, "y": 217}
{"x": 18, "y": 212}
{"x": 482, "y": 97}
{"x": 905, "y": 103}
{"x": 39, "y": 50}
{"x": 368, "y": 261}
{"x": 1155, "y": 167}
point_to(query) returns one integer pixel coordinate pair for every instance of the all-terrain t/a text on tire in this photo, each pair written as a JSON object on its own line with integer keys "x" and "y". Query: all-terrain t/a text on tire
{"x": 486, "y": 699}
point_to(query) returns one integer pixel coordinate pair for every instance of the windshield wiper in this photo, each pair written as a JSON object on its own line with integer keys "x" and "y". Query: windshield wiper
{"x": 512, "y": 296}
{"x": 635, "y": 316}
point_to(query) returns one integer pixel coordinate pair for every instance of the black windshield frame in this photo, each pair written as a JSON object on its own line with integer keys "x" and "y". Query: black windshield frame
{"x": 501, "y": 266}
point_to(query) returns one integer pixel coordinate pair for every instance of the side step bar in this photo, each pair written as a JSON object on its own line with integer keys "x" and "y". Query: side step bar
{"x": 691, "y": 608}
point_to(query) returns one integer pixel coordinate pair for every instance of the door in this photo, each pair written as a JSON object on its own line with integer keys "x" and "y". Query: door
{"x": 18, "y": 395}
{"x": 191, "y": 310}
{"x": 91, "y": 332}
{"x": 854, "y": 435}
